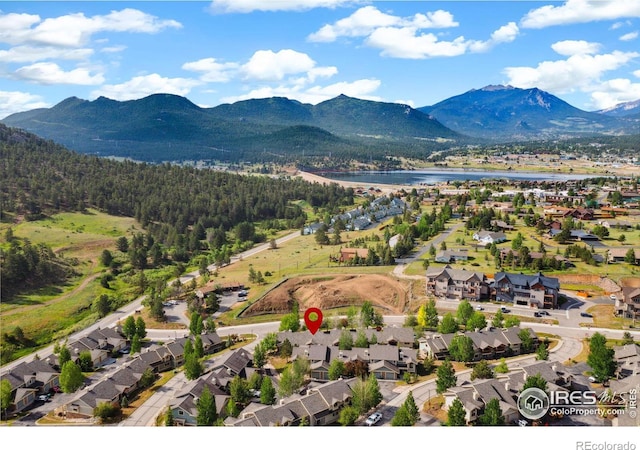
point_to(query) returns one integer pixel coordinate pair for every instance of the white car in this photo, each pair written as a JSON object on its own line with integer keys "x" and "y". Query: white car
{"x": 613, "y": 297}
{"x": 479, "y": 308}
{"x": 373, "y": 419}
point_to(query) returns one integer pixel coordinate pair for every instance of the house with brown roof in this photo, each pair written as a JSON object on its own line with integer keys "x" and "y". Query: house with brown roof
{"x": 619, "y": 254}
{"x": 347, "y": 254}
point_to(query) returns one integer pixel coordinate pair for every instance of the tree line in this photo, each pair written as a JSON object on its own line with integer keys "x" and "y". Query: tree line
{"x": 178, "y": 206}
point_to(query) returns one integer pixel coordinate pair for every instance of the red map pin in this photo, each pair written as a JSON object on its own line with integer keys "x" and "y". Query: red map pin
{"x": 313, "y": 319}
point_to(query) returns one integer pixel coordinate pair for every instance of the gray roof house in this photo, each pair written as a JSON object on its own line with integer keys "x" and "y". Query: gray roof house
{"x": 532, "y": 290}
{"x": 184, "y": 405}
{"x": 456, "y": 283}
{"x": 489, "y": 237}
{"x": 318, "y": 406}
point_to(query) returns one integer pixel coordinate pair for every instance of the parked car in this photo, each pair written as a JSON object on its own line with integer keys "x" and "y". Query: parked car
{"x": 537, "y": 314}
{"x": 504, "y": 309}
{"x": 613, "y": 297}
{"x": 479, "y": 308}
{"x": 592, "y": 379}
{"x": 243, "y": 293}
{"x": 373, "y": 419}
{"x": 43, "y": 398}
{"x": 585, "y": 314}
{"x": 544, "y": 313}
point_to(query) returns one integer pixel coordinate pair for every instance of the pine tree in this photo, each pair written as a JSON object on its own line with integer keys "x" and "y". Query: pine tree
{"x": 446, "y": 377}
{"x": 206, "y": 405}
{"x": 456, "y": 414}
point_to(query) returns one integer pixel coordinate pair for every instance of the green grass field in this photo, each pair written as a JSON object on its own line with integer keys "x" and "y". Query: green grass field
{"x": 55, "y": 311}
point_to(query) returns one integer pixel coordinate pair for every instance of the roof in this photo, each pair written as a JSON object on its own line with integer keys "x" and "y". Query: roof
{"x": 527, "y": 280}
{"x": 453, "y": 274}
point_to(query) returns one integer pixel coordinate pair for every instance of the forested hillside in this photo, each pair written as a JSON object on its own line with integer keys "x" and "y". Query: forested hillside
{"x": 176, "y": 205}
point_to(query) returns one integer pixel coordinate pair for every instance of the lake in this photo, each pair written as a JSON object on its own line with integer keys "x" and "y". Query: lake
{"x": 434, "y": 176}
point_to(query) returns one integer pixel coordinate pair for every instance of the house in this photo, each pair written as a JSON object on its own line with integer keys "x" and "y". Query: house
{"x": 385, "y": 362}
{"x": 619, "y": 254}
{"x": 502, "y": 225}
{"x": 347, "y": 254}
{"x": 629, "y": 384}
{"x": 531, "y": 290}
{"x": 489, "y": 343}
{"x": 184, "y": 406}
{"x": 312, "y": 228}
{"x": 360, "y": 223}
{"x": 397, "y": 336}
{"x": 612, "y": 223}
{"x": 28, "y": 380}
{"x": 456, "y": 283}
{"x": 450, "y": 256}
{"x": 319, "y": 406}
{"x": 205, "y": 291}
{"x": 236, "y": 362}
{"x": 628, "y": 359}
{"x": 578, "y": 235}
{"x": 629, "y": 305}
{"x": 105, "y": 391}
{"x": 489, "y": 237}
{"x": 475, "y": 395}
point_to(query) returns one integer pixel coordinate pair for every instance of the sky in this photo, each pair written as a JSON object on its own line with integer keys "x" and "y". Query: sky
{"x": 222, "y": 51}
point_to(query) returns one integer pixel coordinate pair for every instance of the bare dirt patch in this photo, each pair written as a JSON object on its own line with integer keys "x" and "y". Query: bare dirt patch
{"x": 329, "y": 292}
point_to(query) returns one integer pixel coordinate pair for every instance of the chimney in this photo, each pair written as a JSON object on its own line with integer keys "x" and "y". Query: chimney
{"x": 475, "y": 395}
{"x": 507, "y": 385}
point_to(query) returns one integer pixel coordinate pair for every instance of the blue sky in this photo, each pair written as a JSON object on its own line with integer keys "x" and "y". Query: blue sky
{"x": 222, "y": 51}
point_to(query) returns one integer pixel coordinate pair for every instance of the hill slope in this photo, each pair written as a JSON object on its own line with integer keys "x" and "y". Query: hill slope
{"x": 168, "y": 127}
{"x": 505, "y": 112}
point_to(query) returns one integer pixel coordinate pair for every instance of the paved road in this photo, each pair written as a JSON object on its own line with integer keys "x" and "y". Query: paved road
{"x": 403, "y": 263}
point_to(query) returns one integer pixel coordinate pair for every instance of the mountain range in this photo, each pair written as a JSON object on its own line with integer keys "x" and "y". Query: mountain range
{"x": 165, "y": 127}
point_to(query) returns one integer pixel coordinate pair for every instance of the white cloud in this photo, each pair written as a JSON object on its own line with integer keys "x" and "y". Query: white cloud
{"x": 75, "y": 30}
{"x": 404, "y": 43}
{"x": 247, "y": 6}
{"x": 629, "y": 36}
{"x": 577, "y": 72}
{"x": 407, "y": 43}
{"x": 505, "y": 34}
{"x": 366, "y": 20}
{"x": 13, "y": 101}
{"x": 617, "y": 25}
{"x": 362, "y": 89}
{"x": 212, "y": 71}
{"x": 27, "y": 53}
{"x": 267, "y": 65}
{"x": 114, "y": 49}
{"x": 613, "y": 92}
{"x": 636, "y": 73}
{"x": 51, "y": 73}
{"x": 15, "y": 28}
{"x": 146, "y": 85}
{"x": 580, "y": 11}
{"x": 569, "y": 48}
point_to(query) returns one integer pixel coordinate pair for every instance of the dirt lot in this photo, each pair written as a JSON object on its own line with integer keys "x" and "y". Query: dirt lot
{"x": 331, "y": 292}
